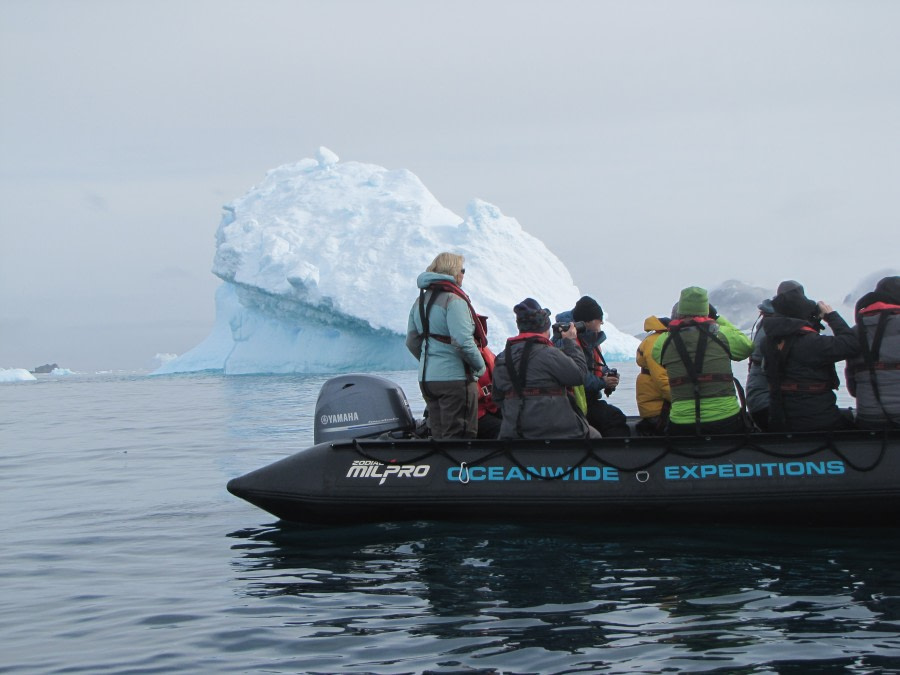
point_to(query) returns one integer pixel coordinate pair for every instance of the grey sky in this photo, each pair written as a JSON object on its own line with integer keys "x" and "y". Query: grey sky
{"x": 651, "y": 145}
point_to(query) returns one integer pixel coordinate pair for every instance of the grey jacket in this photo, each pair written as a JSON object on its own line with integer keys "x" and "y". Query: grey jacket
{"x": 545, "y": 411}
{"x": 871, "y": 413}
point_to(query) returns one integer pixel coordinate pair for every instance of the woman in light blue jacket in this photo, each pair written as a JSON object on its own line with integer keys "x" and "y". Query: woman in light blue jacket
{"x": 444, "y": 334}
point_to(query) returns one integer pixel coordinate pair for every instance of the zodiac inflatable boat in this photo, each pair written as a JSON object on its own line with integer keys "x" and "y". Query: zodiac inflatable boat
{"x": 368, "y": 465}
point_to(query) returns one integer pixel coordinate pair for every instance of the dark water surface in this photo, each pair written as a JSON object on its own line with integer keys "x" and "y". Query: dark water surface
{"x": 123, "y": 553}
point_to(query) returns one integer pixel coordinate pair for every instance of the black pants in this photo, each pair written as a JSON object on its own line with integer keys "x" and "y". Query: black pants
{"x": 834, "y": 419}
{"x": 651, "y": 426}
{"x": 606, "y": 418}
{"x": 761, "y": 419}
{"x": 489, "y": 425}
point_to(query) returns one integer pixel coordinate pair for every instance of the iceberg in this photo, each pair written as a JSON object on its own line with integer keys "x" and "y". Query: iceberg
{"x": 319, "y": 262}
{"x": 16, "y": 375}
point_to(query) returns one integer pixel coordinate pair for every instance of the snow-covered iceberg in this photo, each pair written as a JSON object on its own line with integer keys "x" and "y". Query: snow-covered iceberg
{"x": 319, "y": 264}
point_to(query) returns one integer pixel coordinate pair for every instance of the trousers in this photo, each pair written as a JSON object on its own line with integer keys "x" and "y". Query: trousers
{"x": 452, "y": 408}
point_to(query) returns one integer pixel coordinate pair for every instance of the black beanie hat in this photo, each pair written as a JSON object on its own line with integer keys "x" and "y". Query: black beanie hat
{"x": 795, "y": 304}
{"x": 587, "y": 309}
{"x": 789, "y": 285}
{"x": 531, "y": 317}
{"x": 888, "y": 290}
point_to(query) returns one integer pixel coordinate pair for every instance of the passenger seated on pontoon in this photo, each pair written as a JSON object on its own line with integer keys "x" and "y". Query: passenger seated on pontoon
{"x": 873, "y": 377}
{"x": 532, "y": 380}
{"x": 697, "y": 352}
{"x": 600, "y": 380}
{"x": 654, "y": 399}
{"x": 757, "y": 384}
{"x": 799, "y": 364}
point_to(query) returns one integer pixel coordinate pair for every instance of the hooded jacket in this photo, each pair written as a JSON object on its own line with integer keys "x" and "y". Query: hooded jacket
{"x": 453, "y": 355}
{"x": 652, "y": 387}
{"x": 799, "y": 367}
{"x": 873, "y": 377}
{"x": 757, "y": 384}
{"x": 714, "y": 406}
{"x": 544, "y": 411}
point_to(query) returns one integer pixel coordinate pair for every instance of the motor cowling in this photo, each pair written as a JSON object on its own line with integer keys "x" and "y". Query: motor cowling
{"x": 360, "y": 406}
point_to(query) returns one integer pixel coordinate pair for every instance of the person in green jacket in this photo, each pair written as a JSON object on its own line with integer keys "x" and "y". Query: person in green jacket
{"x": 697, "y": 351}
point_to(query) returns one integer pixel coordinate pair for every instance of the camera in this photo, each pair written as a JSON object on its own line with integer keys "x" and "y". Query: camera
{"x": 610, "y": 371}
{"x": 560, "y": 328}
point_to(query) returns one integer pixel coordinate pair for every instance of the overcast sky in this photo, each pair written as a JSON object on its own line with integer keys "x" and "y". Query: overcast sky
{"x": 650, "y": 145}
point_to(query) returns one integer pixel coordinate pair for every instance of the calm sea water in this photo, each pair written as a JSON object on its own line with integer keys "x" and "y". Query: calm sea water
{"x": 122, "y": 552}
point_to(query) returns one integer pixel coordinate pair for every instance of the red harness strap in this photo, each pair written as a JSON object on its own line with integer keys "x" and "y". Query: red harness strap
{"x": 537, "y": 391}
{"x": 479, "y": 334}
{"x": 441, "y": 338}
{"x": 708, "y": 377}
{"x": 805, "y": 387}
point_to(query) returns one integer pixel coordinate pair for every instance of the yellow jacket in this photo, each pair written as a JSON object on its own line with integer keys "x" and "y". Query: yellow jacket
{"x": 652, "y": 387}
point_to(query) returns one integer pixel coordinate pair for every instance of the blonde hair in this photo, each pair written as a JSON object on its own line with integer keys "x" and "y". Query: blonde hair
{"x": 450, "y": 264}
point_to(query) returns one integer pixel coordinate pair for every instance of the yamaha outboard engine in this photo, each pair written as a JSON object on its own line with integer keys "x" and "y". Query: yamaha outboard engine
{"x": 357, "y": 406}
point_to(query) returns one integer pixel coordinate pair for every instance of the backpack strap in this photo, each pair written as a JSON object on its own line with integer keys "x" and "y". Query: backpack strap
{"x": 424, "y": 311}
{"x": 871, "y": 355}
{"x": 691, "y": 367}
{"x": 517, "y": 378}
{"x": 777, "y": 356}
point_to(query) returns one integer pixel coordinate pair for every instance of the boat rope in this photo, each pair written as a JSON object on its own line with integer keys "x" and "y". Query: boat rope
{"x": 434, "y": 449}
{"x": 829, "y": 444}
{"x": 634, "y": 469}
{"x": 853, "y": 465}
{"x": 529, "y": 471}
{"x": 743, "y": 443}
{"x": 413, "y": 460}
{"x": 591, "y": 452}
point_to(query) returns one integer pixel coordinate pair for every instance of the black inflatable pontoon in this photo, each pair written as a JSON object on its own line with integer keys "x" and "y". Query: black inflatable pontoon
{"x": 850, "y": 477}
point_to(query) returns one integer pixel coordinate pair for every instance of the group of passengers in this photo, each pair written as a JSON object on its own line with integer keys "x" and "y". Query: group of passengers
{"x": 552, "y": 381}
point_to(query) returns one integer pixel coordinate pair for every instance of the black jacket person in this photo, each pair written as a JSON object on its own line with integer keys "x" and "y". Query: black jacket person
{"x": 799, "y": 364}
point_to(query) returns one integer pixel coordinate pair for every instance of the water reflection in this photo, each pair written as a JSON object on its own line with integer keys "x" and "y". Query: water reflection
{"x": 623, "y": 597}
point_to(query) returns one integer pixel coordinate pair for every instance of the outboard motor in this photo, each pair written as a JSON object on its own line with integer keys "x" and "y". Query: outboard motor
{"x": 358, "y": 406}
